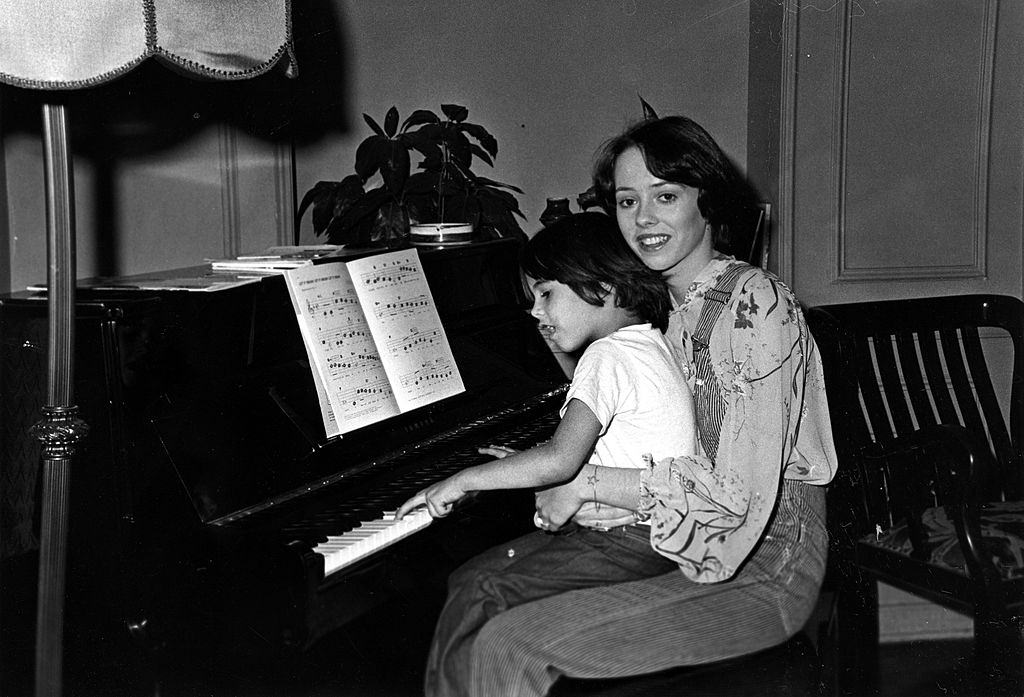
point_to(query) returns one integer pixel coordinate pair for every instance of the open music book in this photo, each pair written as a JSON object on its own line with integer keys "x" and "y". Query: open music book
{"x": 373, "y": 338}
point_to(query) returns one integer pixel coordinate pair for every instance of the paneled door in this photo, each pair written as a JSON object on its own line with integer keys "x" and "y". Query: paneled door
{"x": 902, "y": 148}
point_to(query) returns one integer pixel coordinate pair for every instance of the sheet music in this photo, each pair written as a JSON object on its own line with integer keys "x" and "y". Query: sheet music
{"x": 401, "y": 315}
{"x": 340, "y": 346}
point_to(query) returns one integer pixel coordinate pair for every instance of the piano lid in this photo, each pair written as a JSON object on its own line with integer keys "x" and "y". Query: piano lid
{"x": 240, "y": 422}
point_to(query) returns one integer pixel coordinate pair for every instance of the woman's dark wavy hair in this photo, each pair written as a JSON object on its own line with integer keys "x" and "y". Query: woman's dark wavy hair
{"x": 679, "y": 150}
{"x": 586, "y": 252}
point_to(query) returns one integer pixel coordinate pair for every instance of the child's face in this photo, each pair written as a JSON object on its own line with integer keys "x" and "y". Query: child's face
{"x": 567, "y": 320}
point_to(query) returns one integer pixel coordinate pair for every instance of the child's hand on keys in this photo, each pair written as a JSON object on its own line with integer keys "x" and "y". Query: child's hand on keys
{"x": 439, "y": 498}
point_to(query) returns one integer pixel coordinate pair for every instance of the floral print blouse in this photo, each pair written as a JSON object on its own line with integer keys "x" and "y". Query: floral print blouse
{"x": 768, "y": 395}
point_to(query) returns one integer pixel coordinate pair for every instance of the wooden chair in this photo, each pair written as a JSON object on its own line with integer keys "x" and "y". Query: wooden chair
{"x": 928, "y": 495}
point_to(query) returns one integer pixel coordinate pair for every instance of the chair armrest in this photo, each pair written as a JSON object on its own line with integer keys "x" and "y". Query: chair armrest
{"x": 939, "y": 465}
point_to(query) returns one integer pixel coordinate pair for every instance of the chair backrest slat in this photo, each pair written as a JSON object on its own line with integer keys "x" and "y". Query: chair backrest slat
{"x": 913, "y": 377}
{"x": 891, "y": 384}
{"x": 875, "y": 414}
{"x": 963, "y": 392}
{"x": 936, "y": 376}
{"x": 895, "y": 366}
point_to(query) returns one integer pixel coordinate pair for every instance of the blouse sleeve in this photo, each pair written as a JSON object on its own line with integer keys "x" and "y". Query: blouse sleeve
{"x": 707, "y": 512}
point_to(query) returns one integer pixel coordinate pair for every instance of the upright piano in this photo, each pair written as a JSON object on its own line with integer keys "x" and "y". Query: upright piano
{"x": 207, "y": 507}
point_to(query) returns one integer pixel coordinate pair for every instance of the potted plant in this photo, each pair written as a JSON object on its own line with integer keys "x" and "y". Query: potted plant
{"x": 443, "y": 190}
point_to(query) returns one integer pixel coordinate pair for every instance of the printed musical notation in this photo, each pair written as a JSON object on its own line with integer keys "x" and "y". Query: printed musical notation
{"x": 336, "y": 303}
{"x": 402, "y": 308}
{"x": 340, "y": 348}
{"x": 341, "y": 336}
{"x": 430, "y": 372}
{"x": 391, "y": 273}
{"x": 374, "y": 337}
{"x": 413, "y": 340}
{"x": 405, "y": 324}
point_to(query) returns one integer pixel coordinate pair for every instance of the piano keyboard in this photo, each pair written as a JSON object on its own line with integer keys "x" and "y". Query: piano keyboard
{"x": 341, "y": 551}
{"x": 361, "y": 523}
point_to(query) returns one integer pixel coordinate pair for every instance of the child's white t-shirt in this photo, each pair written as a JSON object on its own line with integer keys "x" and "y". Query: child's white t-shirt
{"x": 638, "y": 392}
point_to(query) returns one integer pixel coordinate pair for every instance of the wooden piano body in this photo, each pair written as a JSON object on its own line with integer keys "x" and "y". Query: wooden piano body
{"x": 206, "y": 480}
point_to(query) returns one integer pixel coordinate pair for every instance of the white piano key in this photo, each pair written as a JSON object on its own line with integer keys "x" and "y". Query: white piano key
{"x": 368, "y": 538}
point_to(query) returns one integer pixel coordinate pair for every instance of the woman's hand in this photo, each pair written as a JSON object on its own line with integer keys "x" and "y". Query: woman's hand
{"x": 556, "y": 505}
{"x": 576, "y": 500}
{"x": 602, "y": 516}
{"x": 439, "y": 498}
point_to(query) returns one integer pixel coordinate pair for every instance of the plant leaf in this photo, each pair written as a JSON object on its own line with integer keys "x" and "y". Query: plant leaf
{"x": 479, "y": 152}
{"x": 489, "y": 142}
{"x": 390, "y": 226}
{"x": 420, "y": 204}
{"x": 352, "y": 224}
{"x": 420, "y": 183}
{"x": 372, "y": 155}
{"x": 374, "y": 126}
{"x": 649, "y": 113}
{"x": 496, "y": 212}
{"x": 432, "y": 162}
{"x": 458, "y": 148}
{"x": 395, "y": 168}
{"x": 367, "y": 204}
{"x": 391, "y": 122}
{"x": 421, "y": 142}
{"x": 450, "y": 186}
{"x": 349, "y": 191}
{"x": 454, "y": 112}
{"x": 484, "y": 181}
{"x": 434, "y": 131}
{"x": 419, "y": 117}
{"x": 493, "y": 199}
{"x": 321, "y": 192}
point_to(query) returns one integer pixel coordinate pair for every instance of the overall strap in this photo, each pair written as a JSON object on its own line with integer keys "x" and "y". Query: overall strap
{"x": 709, "y": 405}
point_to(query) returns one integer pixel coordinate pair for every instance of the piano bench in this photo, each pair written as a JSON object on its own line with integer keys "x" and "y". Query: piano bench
{"x": 791, "y": 669}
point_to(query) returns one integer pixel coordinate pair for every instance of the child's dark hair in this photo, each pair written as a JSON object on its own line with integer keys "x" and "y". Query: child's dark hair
{"x": 586, "y": 252}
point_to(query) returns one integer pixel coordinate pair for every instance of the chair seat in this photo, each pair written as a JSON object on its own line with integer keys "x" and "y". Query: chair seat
{"x": 940, "y": 559}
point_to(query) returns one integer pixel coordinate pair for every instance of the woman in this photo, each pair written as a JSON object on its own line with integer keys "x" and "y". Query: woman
{"x": 737, "y": 543}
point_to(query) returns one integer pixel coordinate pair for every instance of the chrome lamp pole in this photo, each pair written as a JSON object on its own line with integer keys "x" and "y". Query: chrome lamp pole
{"x": 60, "y": 431}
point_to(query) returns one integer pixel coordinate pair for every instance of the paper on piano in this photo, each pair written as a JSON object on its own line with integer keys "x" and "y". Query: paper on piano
{"x": 373, "y": 338}
{"x": 193, "y": 279}
{"x": 277, "y": 259}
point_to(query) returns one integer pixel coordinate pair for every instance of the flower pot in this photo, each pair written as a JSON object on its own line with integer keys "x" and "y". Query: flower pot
{"x": 433, "y": 234}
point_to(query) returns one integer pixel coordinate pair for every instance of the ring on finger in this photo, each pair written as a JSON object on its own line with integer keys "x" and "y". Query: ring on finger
{"x": 538, "y": 521}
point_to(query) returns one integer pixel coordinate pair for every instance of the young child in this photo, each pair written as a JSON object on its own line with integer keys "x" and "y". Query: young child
{"x": 628, "y": 397}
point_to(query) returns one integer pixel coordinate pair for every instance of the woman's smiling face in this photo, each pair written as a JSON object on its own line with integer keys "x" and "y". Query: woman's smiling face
{"x": 661, "y": 221}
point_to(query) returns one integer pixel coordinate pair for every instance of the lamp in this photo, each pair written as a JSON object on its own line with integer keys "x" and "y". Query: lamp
{"x": 62, "y": 45}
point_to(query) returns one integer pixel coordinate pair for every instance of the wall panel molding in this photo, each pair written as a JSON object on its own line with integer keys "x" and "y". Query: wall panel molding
{"x": 783, "y": 224}
{"x": 231, "y": 232}
{"x": 284, "y": 192}
{"x": 975, "y": 267}
{"x": 837, "y": 157}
